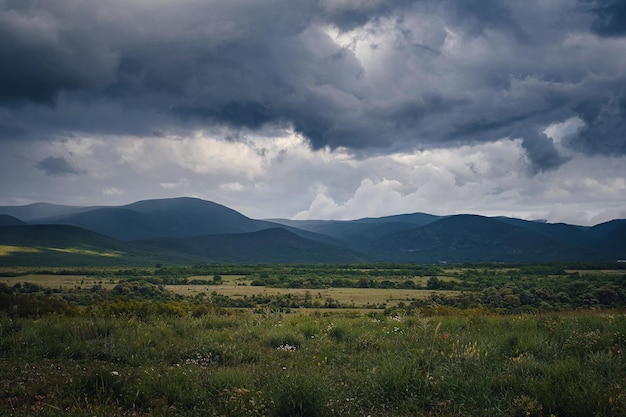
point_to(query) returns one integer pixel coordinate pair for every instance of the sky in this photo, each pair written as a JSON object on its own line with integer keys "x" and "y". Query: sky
{"x": 318, "y": 109}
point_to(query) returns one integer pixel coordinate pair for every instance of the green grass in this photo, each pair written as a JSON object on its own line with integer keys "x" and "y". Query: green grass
{"x": 8, "y": 250}
{"x": 244, "y": 364}
{"x": 94, "y": 341}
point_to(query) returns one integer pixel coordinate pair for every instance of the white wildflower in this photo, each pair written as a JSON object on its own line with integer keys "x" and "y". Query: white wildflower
{"x": 286, "y": 347}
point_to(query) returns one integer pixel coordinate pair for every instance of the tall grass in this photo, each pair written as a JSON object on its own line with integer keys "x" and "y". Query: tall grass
{"x": 319, "y": 365}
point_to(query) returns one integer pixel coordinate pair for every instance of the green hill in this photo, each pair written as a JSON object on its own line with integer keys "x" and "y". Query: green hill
{"x": 177, "y": 217}
{"x": 62, "y": 245}
{"x": 610, "y": 237}
{"x": 183, "y": 230}
{"x": 360, "y": 233}
{"x": 470, "y": 238}
{"x": 35, "y": 211}
{"x": 168, "y": 218}
{"x": 6, "y": 220}
{"x": 265, "y": 246}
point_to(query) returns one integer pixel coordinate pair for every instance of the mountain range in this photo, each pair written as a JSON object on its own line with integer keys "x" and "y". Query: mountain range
{"x": 184, "y": 230}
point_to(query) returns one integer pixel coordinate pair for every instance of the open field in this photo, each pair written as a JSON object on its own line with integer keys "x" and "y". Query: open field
{"x": 237, "y": 287}
{"x": 277, "y": 341}
{"x": 357, "y": 297}
{"x": 6, "y": 250}
{"x": 320, "y": 364}
{"x": 59, "y": 281}
{"x": 501, "y": 288}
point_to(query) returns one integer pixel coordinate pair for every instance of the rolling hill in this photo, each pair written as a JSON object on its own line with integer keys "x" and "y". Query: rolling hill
{"x": 62, "y": 245}
{"x": 180, "y": 230}
{"x": 360, "y": 233}
{"x": 35, "y": 211}
{"x": 610, "y": 236}
{"x": 6, "y": 220}
{"x": 266, "y": 246}
{"x": 165, "y": 218}
{"x": 471, "y": 238}
{"x": 177, "y": 217}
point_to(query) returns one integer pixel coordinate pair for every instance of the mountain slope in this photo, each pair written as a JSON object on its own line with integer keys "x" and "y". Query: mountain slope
{"x": 266, "y": 246}
{"x": 360, "y": 233}
{"x": 180, "y": 217}
{"x": 35, "y": 211}
{"x": 169, "y": 218}
{"x": 62, "y": 245}
{"x": 176, "y": 217}
{"x": 610, "y": 237}
{"x": 567, "y": 233}
{"x": 189, "y": 230}
{"x": 6, "y": 220}
{"x": 470, "y": 238}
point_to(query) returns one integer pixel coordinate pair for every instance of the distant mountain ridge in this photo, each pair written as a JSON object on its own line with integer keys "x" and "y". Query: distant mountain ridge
{"x": 179, "y": 217}
{"x": 358, "y": 234}
{"x": 185, "y": 229}
{"x": 35, "y": 211}
{"x": 6, "y": 220}
{"x": 471, "y": 238}
{"x": 165, "y": 218}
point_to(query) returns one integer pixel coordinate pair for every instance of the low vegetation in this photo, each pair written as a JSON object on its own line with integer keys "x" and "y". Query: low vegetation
{"x": 102, "y": 342}
{"x": 401, "y": 289}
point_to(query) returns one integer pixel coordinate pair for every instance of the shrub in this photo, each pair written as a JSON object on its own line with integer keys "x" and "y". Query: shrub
{"x": 300, "y": 395}
{"x": 281, "y": 337}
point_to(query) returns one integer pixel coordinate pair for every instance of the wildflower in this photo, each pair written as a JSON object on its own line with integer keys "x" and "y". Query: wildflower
{"x": 286, "y": 347}
{"x": 446, "y": 336}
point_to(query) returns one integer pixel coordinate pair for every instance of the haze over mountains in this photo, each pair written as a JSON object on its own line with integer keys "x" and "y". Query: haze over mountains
{"x": 183, "y": 230}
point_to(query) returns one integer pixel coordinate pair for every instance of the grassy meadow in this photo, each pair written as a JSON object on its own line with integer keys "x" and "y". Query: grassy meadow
{"x": 105, "y": 342}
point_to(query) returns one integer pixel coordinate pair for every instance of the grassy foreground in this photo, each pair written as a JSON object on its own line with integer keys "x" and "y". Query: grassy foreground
{"x": 244, "y": 364}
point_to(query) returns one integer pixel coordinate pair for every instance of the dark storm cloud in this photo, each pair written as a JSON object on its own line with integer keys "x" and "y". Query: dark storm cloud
{"x": 477, "y": 16}
{"x": 605, "y": 130}
{"x": 611, "y": 19}
{"x": 57, "y": 166}
{"x": 145, "y": 68}
{"x": 347, "y": 15}
{"x": 49, "y": 49}
{"x": 541, "y": 151}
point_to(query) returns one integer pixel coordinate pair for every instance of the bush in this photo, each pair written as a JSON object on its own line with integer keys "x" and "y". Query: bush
{"x": 300, "y": 395}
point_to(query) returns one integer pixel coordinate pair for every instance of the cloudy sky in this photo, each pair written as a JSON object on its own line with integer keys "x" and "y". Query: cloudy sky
{"x": 318, "y": 108}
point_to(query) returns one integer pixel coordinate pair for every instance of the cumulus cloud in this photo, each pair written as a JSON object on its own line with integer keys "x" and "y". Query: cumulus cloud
{"x": 490, "y": 179}
{"x": 330, "y": 96}
{"x": 283, "y": 177}
{"x": 352, "y": 74}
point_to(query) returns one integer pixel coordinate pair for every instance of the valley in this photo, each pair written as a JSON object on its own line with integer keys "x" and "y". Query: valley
{"x": 186, "y": 308}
